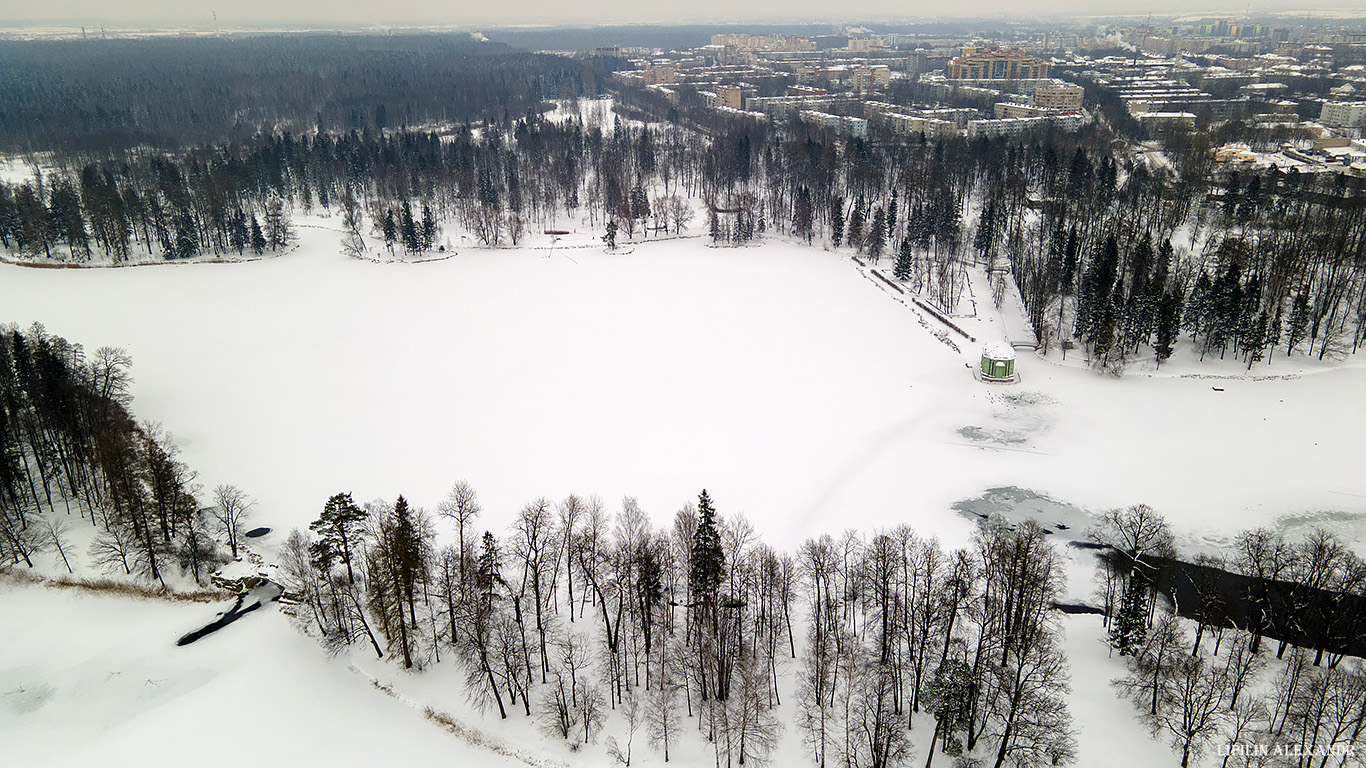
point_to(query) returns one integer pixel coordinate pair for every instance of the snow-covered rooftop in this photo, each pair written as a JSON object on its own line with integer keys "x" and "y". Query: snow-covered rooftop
{"x": 998, "y": 350}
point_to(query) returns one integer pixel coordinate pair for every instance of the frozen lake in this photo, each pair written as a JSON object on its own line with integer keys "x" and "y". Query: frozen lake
{"x": 780, "y": 378}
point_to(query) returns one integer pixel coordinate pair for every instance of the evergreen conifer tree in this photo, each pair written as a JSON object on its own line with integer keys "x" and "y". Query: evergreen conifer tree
{"x": 1299, "y": 321}
{"x": 389, "y": 229}
{"x": 258, "y": 238}
{"x": 836, "y": 221}
{"x": 1168, "y": 325}
{"x": 949, "y": 698}
{"x": 408, "y": 228}
{"x": 877, "y": 235}
{"x": 277, "y": 229}
{"x": 429, "y": 228}
{"x": 708, "y": 559}
{"x": 1254, "y": 341}
{"x": 186, "y": 237}
{"x": 338, "y": 529}
{"x": 801, "y": 214}
{"x": 488, "y": 573}
{"x": 1130, "y": 624}
{"x": 238, "y": 232}
{"x": 640, "y": 202}
{"x": 407, "y": 549}
{"x": 985, "y": 240}
{"x": 855, "y": 234}
{"x": 1273, "y": 330}
{"x": 904, "y": 260}
{"x": 1198, "y": 304}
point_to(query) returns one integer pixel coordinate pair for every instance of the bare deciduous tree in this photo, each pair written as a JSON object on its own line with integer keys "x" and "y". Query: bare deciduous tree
{"x": 1195, "y": 706}
{"x": 22, "y": 536}
{"x": 54, "y": 531}
{"x": 634, "y": 714}
{"x": 114, "y": 547}
{"x": 662, "y": 713}
{"x": 461, "y": 506}
{"x": 230, "y": 511}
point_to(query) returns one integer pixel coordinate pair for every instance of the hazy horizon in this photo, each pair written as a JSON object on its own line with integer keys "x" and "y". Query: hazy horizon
{"x": 325, "y": 14}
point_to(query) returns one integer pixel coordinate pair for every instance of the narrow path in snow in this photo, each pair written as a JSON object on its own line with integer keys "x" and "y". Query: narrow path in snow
{"x": 471, "y": 735}
{"x": 917, "y": 309}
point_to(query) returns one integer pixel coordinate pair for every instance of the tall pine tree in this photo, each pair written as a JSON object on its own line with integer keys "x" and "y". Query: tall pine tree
{"x": 836, "y": 221}
{"x": 708, "y": 559}
{"x": 339, "y": 529}
{"x": 904, "y": 260}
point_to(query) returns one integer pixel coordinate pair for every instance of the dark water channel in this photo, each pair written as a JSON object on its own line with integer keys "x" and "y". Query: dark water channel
{"x": 246, "y": 603}
{"x": 1326, "y": 621}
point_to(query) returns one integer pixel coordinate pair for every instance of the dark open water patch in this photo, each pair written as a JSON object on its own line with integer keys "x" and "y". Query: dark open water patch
{"x": 1077, "y": 608}
{"x": 1318, "y": 619}
{"x": 246, "y": 603}
{"x": 1332, "y": 622}
{"x": 1016, "y": 505}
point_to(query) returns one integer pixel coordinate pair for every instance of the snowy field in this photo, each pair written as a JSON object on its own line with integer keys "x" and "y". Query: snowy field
{"x": 100, "y": 681}
{"x": 784, "y": 379}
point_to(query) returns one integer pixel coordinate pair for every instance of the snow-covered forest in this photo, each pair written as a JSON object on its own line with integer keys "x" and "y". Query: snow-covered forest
{"x": 550, "y": 325}
{"x": 1109, "y": 254}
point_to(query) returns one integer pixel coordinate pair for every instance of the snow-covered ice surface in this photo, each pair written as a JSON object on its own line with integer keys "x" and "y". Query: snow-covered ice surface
{"x": 777, "y": 377}
{"x": 782, "y": 378}
{"x": 772, "y": 376}
{"x": 98, "y": 680}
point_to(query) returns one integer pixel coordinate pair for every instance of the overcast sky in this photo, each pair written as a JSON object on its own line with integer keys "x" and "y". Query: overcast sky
{"x": 464, "y": 13}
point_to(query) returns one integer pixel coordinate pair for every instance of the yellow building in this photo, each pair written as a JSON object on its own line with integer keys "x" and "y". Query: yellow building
{"x": 1063, "y": 97}
{"x": 730, "y": 96}
{"x": 660, "y": 74}
{"x": 995, "y": 63}
{"x": 1235, "y": 153}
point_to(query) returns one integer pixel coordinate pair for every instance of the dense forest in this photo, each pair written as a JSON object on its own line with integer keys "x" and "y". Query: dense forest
{"x": 70, "y": 446}
{"x": 685, "y": 36}
{"x": 1109, "y": 252}
{"x": 100, "y": 95}
{"x": 1112, "y": 250}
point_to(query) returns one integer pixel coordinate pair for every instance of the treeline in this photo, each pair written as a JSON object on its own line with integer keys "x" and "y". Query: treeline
{"x": 1114, "y": 253}
{"x": 68, "y": 444}
{"x": 1112, "y": 250}
{"x": 104, "y": 95}
{"x": 151, "y": 208}
{"x": 1221, "y": 687}
{"x": 497, "y": 184}
{"x": 576, "y": 610}
{"x": 1271, "y": 260}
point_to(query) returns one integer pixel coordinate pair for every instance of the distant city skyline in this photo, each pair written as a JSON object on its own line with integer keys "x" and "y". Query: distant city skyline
{"x": 419, "y": 13}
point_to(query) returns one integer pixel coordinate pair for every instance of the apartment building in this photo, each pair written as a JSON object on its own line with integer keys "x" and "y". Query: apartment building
{"x": 842, "y": 124}
{"x": 731, "y": 96}
{"x": 1343, "y": 114}
{"x": 1059, "y": 96}
{"x": 995, "y": 63}
{"x": 1016, "y": 126}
